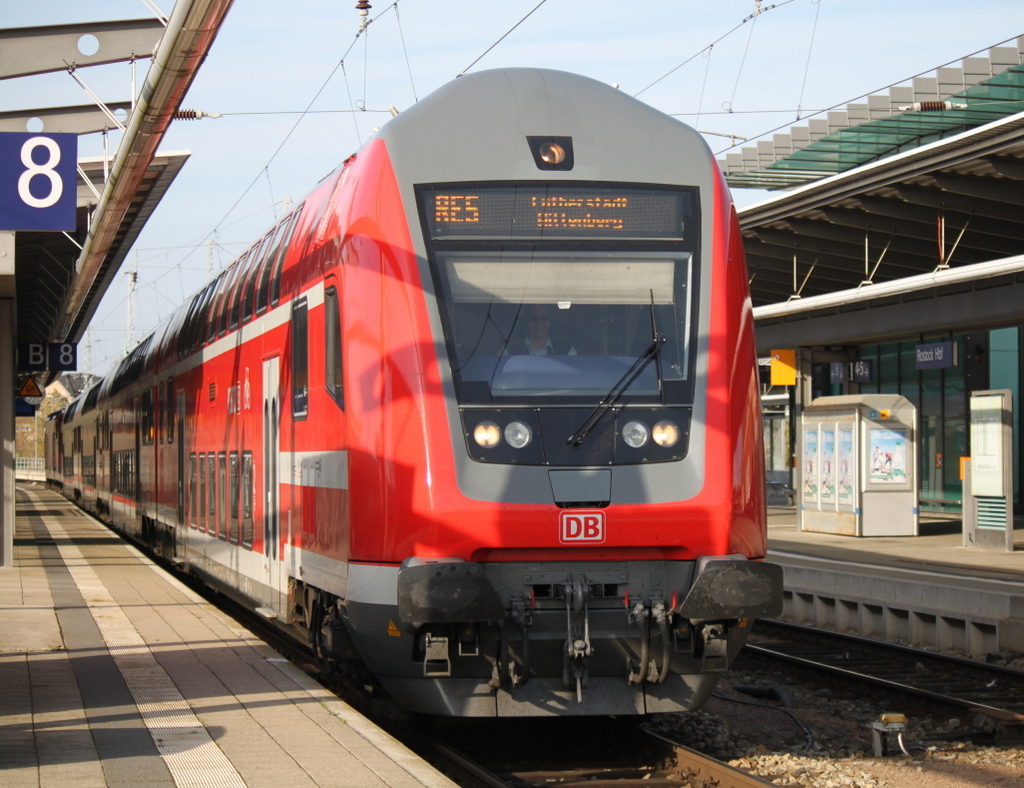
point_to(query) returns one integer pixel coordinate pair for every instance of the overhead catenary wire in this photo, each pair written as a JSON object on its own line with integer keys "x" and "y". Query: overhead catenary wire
{"x": 750, "y": 37}
{"x": 810, "y": 49}
{"x": 709, "y": 46}
{"x": 405, "y": 51}
{"x": 517, "y": 24}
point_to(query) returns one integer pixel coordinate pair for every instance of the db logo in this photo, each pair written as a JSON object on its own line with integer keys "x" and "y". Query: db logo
{"x": 581, "y": 526}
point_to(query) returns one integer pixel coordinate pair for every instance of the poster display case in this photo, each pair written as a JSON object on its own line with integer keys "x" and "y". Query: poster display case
{"x": 858, "y": 466}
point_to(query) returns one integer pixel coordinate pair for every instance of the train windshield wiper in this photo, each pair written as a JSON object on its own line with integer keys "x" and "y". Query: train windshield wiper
{"x": 616, "y": 391}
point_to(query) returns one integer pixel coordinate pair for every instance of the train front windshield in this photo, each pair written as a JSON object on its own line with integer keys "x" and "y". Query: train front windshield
{"x": 560, "y": 294}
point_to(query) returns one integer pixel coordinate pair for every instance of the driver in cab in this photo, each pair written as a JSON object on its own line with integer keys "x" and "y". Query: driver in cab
{"x": 539, "y": 340}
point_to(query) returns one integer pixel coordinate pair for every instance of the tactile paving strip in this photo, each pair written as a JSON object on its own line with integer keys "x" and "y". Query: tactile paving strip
{"x": 192, "y": 757}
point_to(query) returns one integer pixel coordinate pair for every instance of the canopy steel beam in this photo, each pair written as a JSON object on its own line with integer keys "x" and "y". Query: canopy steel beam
{"x": 924, "y": 231}
{"x": 922, "y": 214}
{"x": 936, "y": 198}
{"x": 83, "y": 119}
{"x": 1009, "y": 192}
{"x": 25, "y": 51}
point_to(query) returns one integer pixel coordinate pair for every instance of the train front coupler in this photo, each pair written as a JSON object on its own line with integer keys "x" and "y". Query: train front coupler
{"x": 578, "y": 648}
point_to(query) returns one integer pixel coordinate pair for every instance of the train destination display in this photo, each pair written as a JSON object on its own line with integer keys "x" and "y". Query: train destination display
{"x": 527, "y": 211}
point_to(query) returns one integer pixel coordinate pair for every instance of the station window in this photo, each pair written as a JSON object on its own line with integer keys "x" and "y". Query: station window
{"x": 332, "y": 346}
{"x": 248, "y": 499}
{"x": 300, "y": 360}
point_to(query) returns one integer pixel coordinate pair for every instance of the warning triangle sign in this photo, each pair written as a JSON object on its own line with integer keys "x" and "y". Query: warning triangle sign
{"x": 30, "y": 388}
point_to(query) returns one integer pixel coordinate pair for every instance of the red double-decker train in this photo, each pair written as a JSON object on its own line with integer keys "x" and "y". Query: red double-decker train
{"x": 479, "y": 418}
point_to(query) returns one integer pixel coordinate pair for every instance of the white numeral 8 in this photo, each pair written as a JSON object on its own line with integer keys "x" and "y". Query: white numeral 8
{"x": 47, "y": 170}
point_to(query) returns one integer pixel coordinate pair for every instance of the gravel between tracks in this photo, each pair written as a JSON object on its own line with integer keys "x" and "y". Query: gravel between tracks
{"x": 769, "y": 743}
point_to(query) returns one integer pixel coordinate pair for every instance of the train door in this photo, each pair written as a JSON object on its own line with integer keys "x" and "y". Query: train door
{"x": 271, "y": 460}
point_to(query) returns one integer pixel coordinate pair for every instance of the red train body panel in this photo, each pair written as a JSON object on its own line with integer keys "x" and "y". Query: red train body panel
{"x": 358, "y": 429}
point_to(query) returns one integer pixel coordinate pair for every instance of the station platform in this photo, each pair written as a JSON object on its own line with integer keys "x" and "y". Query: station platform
{"x": 926, "y": 590}
{"x": 114, "y": 673}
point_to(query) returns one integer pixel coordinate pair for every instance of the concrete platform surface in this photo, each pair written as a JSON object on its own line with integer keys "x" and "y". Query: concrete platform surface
{"x": 927, "y": 590}
{"x": 113, "y": 673}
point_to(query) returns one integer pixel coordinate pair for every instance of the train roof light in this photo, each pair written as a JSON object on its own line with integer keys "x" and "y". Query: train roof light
{"x": 551, "y": 153}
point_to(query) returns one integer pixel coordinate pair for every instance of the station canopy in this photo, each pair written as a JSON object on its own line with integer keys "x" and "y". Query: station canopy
{"x": 882, "y": 201}
{"x": 60, "y": 278}
{"x": 954, "y": 100}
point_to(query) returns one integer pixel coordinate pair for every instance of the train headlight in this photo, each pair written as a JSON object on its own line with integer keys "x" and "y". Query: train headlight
{"x": 635, "y": 434}
{"x": 518, "y": 434}
{"x": 487, "y": 434}
{"x": 552, "y": 153}
{"x": 665, "y": 434}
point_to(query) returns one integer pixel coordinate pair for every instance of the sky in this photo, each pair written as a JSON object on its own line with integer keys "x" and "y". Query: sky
{"x": 695, "y": 59}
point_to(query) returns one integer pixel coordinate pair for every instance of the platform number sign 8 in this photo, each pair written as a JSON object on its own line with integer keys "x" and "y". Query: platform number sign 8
{"x": 38, "y": 181}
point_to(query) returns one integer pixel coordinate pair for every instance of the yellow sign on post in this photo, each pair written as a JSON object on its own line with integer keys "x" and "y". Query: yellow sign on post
{"x": 783, "y": 367}
{"x": 30, "y": 388}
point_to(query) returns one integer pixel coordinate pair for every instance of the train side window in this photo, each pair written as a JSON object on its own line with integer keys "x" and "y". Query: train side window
{"x": 201, "y": 509}
{"x": 246, "y": 291}
{"x": 282, "y": 251}
{"x": 222, "y": 497}
{"x": 300, "y": 360}
{"x": 211, "y": 511}
{"x": 234, "y": 519}
{"x": 248, "y": 499}
{"x": 158, "y": 414}
{"x": 212, "y": 308}
{"x": 193, "y": 484}
{"x": 224, "y": 307}
{"x": 202, "y": 320}
{"x": 147, "y": 417}
{"x": 332, "y": 346}
{"x": 275, "y": 252}
{"x": 170, "y": 410}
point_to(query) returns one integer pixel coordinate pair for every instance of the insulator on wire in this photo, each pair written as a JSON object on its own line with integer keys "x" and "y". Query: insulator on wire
{"x": 193, "y": 114}
{"x": 931, "y": 106}
{"x": 363, "y": 7}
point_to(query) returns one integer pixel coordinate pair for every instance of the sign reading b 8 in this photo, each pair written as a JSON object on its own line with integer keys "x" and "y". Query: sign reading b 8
{"x": 38, "y": 189}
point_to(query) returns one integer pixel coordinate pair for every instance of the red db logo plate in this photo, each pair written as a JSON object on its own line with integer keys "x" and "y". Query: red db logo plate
{"x": 581, "y": 526}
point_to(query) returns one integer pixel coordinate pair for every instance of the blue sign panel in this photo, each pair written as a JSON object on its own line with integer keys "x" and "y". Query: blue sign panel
{"x": 863, "y": 371}
{"x": 38, "y": 189}
{"x": 935, "y": 355}
{"x": 55, "y": 356}
{"x": 837, "y": 372}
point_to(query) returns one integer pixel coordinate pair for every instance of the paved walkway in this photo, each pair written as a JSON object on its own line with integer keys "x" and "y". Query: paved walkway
{"x": 113, "y": 673}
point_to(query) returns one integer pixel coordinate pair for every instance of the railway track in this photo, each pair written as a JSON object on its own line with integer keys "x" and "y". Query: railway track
{"x": 675, "y": 766}
{"x": 991, "y": 690}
